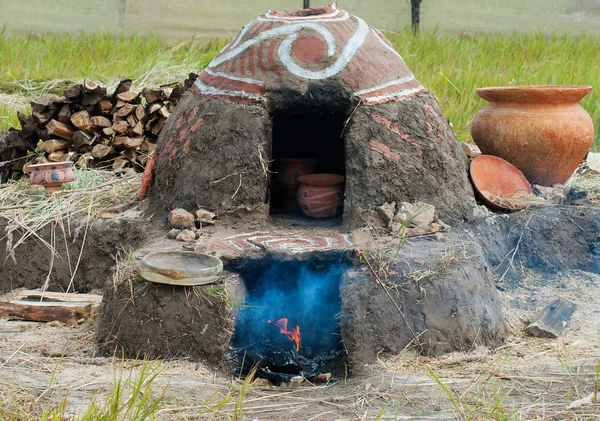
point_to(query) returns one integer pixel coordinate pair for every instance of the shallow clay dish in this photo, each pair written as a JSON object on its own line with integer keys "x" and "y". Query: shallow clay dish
{"x": 499, "y": 184}
{"x": 181, "y": 268}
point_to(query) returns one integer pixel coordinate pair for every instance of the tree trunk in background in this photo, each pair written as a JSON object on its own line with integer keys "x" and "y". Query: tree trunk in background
{"x": 307, "y": 4}
{"x": 415, "y": 7}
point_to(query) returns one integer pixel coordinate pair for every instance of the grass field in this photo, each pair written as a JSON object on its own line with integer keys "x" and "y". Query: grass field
{"x": 452, "y": 66}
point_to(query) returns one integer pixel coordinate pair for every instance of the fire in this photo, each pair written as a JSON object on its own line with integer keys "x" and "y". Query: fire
{"x": 294, "y": 335}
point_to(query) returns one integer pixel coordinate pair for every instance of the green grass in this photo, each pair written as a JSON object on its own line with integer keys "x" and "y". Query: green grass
{"x": 451, "y": 66}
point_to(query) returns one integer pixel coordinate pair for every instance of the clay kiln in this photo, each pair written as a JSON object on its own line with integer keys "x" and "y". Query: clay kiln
{"x": 315, "y": 83}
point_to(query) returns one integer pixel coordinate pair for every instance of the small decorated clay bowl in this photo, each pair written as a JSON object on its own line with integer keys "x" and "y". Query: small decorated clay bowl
{"x": 52, "y": 175}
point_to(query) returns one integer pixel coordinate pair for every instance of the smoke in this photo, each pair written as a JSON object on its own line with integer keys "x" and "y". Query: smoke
{"x": 308, "y": 297}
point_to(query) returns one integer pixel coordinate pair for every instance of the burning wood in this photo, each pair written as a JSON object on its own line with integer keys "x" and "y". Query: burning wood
{"x": 293, "y": 335}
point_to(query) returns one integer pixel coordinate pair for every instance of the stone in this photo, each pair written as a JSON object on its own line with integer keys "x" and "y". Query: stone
{"x": 173, "y": 233}
{"x": 205, "y": 217}
{"x": 471, "y": 150}
{"x": 386, "y": 212}
{"x": 182, "y": 219}
{"x": 186, "y": 236}
{"x": 420, "y": 215}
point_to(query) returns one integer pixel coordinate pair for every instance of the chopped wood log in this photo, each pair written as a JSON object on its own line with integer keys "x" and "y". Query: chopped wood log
{"x": 189, "y": 82}
{"x": 138, "y": 129}
{"x": 131, "y": 120}
{"x": 119, "y": 104}
{"x": 140, "y": 113}
{"x": 58, "y": 156}
{"x": 121, "y": 127}
{"x": 64, "y": 115}
{"x": 59, "y": 129}
{"x": 152, "y": 95}
{"x": 81, "y": 120}
{"x": 125, "y": 110}
{"x": 105, "y": 106}
{"x": 131, "y": 154}
{"x": 73, "y": 93}
{"x": 553, "y": 319}
{"x": 177, "y": 92}
{"x": 44, "y": 102}
{"x": 45, "y": 312}
{"x": 41, "y": 118}
{"x": 152, "y": 108}
{"x": 84, "y": 160}
{"x": 158, "y": 126}
{"x": 100, "y": 122}
{"x": 128, "y": 96}
{"x": 92, "y": 299}
{"x": 119, "y": 164}
{"x": 108, "y": 131}
{"x": 124, "y": 86}
{"x": 101, "y": 151}
{"x": 81, "y": 139}
{"x": 166, "y": 92}
{"x": 127, "y": 142}
{"x": 25, "y": 120}
{"x": 91, "y": 99}
{"x": 164, "y": 111}
{"x": 143, "y": 159}
{"x": 53, "y": 145}
{"x": 90, "y": 86}
{"x": 149, "y": 146}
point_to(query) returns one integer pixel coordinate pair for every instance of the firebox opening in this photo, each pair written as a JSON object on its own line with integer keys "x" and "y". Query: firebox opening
{"x": 289, "y": 323}
{"x": 304, "y": 143}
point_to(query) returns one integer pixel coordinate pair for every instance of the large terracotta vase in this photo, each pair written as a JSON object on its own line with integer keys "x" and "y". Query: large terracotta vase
{"x": 52, "y": 175}
{"x": 321, "y": 195}
{"x": 541, "y": 130}
{"x": 285, "y": 181}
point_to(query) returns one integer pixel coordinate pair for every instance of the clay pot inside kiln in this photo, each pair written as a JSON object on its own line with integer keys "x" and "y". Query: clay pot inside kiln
{"x": 541, "y": 130}
{"x": 285, "y": 181}
{"x": 52, "y": 175}
{"x": 321, "y": 195}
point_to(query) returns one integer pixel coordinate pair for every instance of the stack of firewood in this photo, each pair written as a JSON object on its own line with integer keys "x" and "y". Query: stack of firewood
{"x": 92, "y": 128}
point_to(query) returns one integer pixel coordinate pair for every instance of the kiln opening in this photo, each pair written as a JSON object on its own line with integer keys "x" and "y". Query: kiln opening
{"x": 289, "y": 323}
{"x": 304, "y": 144}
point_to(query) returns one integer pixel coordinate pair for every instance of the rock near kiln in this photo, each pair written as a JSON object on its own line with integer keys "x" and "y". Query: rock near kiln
{"x": 215, "y": 149}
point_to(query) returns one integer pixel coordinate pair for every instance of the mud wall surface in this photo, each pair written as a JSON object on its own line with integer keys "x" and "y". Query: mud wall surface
{"x": 405, "y": 151}
{"x": 445, "y": 291}
{"x": 154, "y": 320}
{"x": 547, "y": 239}
{"x": 33, "y": 260}
{"x": 211, "y": 154}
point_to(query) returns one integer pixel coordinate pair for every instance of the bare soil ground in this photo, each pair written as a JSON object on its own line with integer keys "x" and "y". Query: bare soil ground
{"x": 528, "y": 378}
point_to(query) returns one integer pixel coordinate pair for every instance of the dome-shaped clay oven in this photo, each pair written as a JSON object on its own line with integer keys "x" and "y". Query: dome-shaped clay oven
{"x": 316, "y": 83}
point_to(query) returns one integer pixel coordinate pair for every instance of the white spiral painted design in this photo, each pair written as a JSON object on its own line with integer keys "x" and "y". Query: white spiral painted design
{"x": 284, "y": 52}
{"x": 348, "y": 52}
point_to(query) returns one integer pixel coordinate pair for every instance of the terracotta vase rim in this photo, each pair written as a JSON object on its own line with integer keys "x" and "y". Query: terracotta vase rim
{"x": 535, "y": 93}
{"x": 50, "y": 164}
{"x": 321, "y": 179}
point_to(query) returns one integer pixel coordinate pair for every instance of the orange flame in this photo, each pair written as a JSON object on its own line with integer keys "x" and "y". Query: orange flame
{"x": 294, "y": 335}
